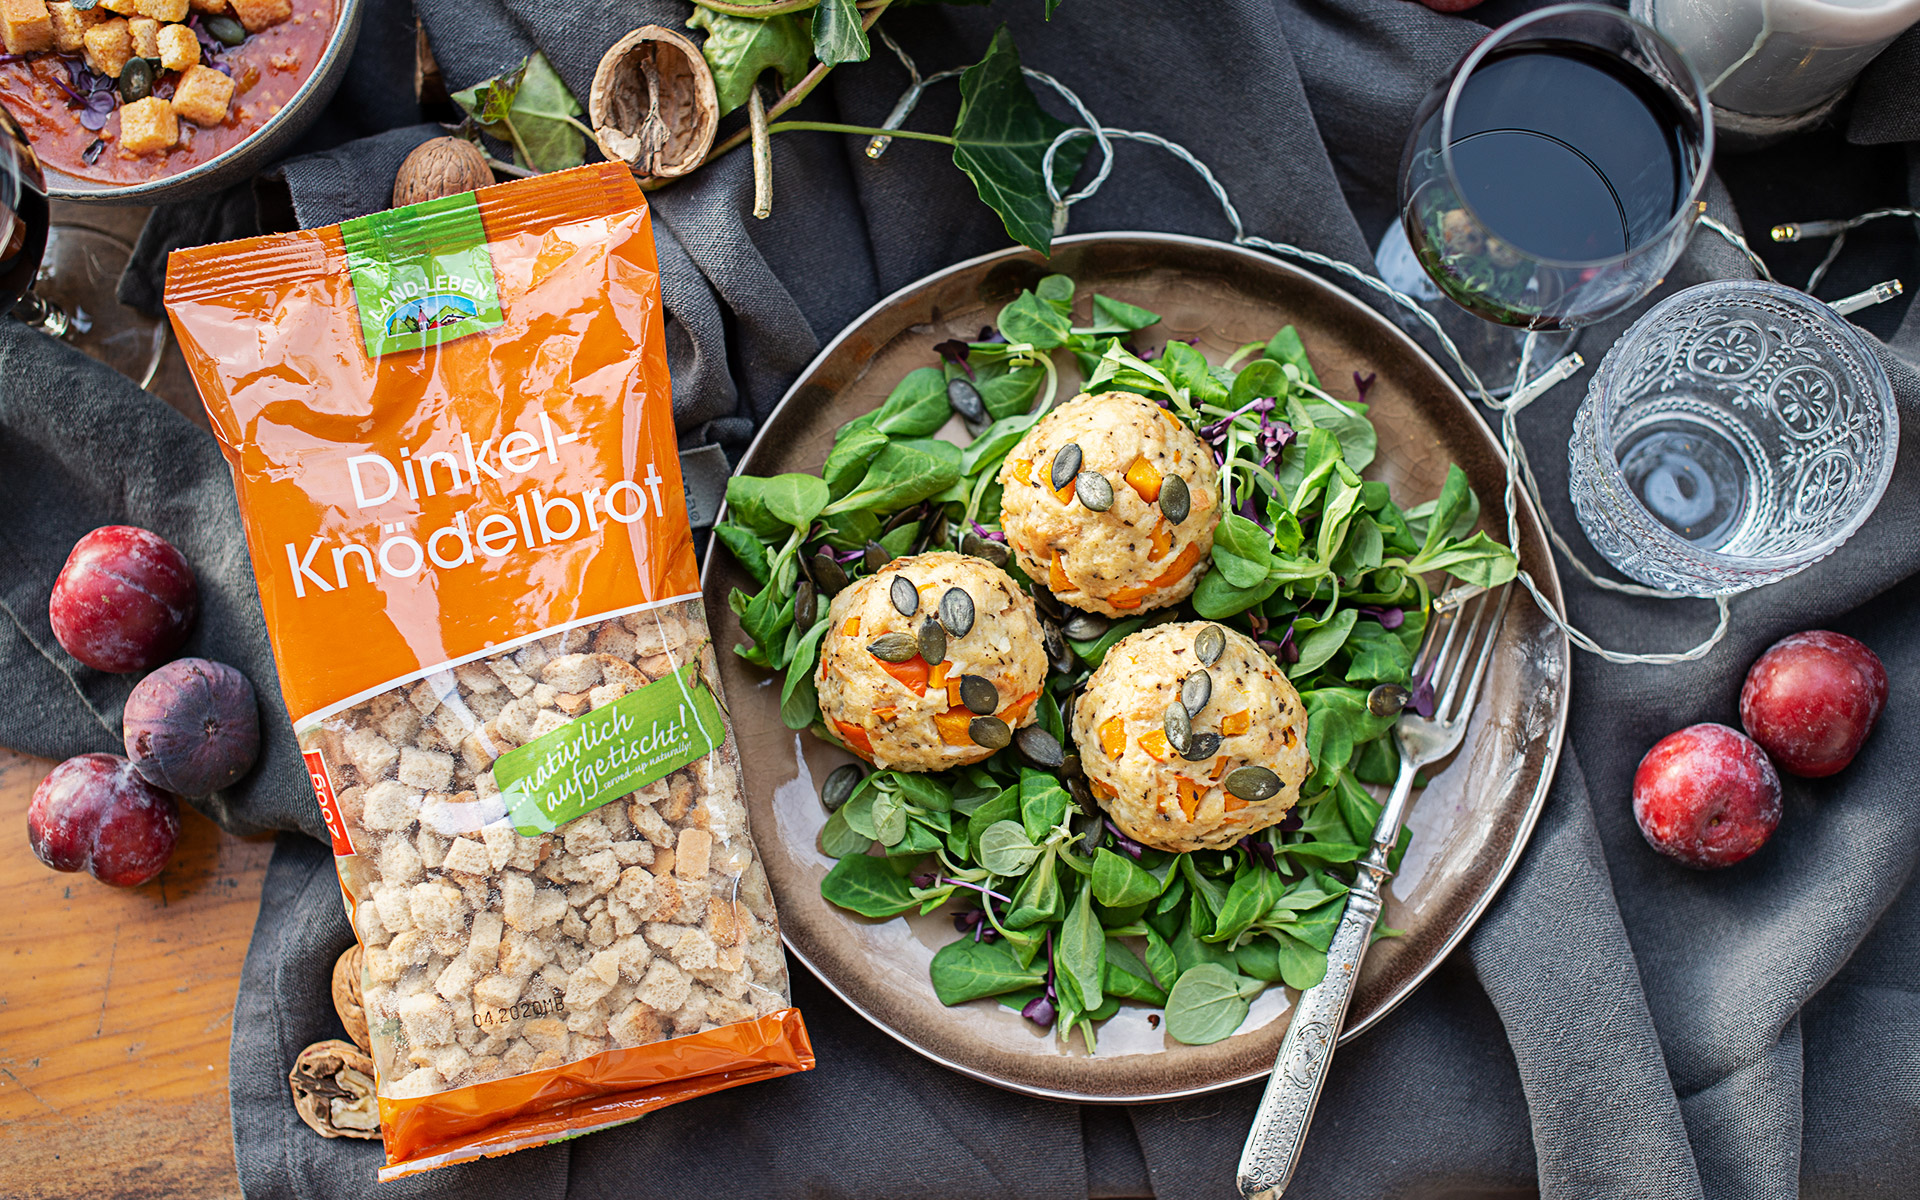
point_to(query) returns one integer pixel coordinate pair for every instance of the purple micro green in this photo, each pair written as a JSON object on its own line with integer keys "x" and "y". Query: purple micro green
{"x": 984, "y": 891}
{"x": 955, "y": 351}
{"x": 1040, "y": 1011}
{"x": 1287, "y": 652}
{"x": 991, "y": 535}
{"x": 1260, "y": 849}
{"x": 1362, "y": 382}
{"x": 1121, "y": 841}
{"x": 1389, "y": 618}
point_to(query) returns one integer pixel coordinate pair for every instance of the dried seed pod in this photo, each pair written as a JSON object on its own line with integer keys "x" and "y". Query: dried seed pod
{"x": 1252, "y": 783}
{"x": 979, "y": 695}
{"x": 653, "y": 103}
{"x": 1087, "y": 627}
{"x": 829, "y": 577}
{"x": 1176, "y": 501}
{"x": 893, "y": 647}
{"x": 1040, "y": 748}
{"x": 443, "y": 166}
{"x": 1387, "y": 700}
{"x": 965, "y": 399}
{"x": 994, "y": 552}
{"x": 1070, "y": 764}
{"x": 840, "y": 784}
{"x": 804, "y": 607}
{"x": 956, "y": 611}
{"x": 1094, "y": 491}
{"x": 905, "y": 597}
{"x": 932, "y": 640}
{"x": 1195, "y": 690}
{"x": 346, "y": 997}
{"x": 1048, "y": 604}
{"x": 1204, "y": 747}
{"x": 1066, "y": 465}
{"x": 1178, "y": 726}
{"x": 990, "y": 732}
{"x": 333, "y": 1092}
{"x": 1209, "y": 644}
{"x": 875, "y": 556}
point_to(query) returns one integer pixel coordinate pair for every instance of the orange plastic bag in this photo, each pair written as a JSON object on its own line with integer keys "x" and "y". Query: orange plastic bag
{"x": 451, "y": 432}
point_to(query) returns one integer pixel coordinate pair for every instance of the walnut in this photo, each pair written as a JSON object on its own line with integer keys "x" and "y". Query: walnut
{"x": 346, "y": 997}
{"x": 333, "y": 1090}
{"x": 445, "y": 166}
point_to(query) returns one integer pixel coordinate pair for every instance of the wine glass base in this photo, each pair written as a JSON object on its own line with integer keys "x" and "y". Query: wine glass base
{"x": 80, "y": 277}
{"x": 1493, "y": 351}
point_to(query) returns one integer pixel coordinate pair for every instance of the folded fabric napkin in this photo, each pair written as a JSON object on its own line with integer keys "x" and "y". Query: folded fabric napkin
{"x": 1616, "y": 1026}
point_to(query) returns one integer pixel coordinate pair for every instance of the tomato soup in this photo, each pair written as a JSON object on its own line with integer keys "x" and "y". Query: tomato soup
{"x": 84, "y": 117}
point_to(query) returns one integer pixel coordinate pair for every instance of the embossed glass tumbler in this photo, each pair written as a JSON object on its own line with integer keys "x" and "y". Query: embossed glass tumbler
{"x": 1737, "y": 433}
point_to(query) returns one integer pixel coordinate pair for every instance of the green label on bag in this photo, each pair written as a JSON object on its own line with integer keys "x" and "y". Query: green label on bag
{"x": 645, "y": 735}
{"x": 421, "y": 274}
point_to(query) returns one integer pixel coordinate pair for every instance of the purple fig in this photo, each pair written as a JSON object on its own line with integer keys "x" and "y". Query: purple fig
{"x": 192, "y": 727}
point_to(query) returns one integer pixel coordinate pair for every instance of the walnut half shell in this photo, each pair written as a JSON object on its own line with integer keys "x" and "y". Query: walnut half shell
{"x": 333, "y": 1090}
{"x": 653, "y": 103}
{"x": 346, "y": 998}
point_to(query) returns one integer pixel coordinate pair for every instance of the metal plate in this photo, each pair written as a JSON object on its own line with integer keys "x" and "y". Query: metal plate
{"x": 1469, "y": 825}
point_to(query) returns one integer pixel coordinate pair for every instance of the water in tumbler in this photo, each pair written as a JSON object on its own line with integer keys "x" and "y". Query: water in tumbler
{"x": 1688, "y": 473}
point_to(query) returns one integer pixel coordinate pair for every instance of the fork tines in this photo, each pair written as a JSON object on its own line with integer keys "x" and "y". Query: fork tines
{"x": 1468, "y": 606}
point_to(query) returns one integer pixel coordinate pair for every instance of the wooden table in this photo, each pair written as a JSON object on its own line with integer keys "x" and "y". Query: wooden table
{"x": 115, "y": 1008}
{"x": 116, "y": 1004}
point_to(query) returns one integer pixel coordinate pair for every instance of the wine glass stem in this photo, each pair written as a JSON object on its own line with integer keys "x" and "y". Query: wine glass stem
{"x": 43, "y": 315}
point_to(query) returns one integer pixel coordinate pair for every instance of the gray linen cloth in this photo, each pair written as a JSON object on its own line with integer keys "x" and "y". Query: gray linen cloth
{"x": 1617, "y": 1026}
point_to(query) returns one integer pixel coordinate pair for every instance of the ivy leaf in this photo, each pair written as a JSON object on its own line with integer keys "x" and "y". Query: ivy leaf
{"x": 837, "y": 36}
{"x": 530, "y": 109}
{"x": 1000, "y": 139}
{"x": 738, "y": 49}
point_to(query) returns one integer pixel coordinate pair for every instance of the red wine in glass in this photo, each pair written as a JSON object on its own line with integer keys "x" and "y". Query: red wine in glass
{"x": 1554, "y": 178}
{"x": 23, "y": 215}
{"x": 62, "y": 279}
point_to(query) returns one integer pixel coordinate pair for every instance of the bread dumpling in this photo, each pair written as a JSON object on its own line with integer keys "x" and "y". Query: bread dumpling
{"x": 889, "y": 704}
{"x": 1129, "y": 556}
{"x": 1247, "y": 740}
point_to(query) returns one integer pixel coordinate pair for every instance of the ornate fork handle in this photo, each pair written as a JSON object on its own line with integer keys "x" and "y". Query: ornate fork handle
{"x": 1280, "y": 1125}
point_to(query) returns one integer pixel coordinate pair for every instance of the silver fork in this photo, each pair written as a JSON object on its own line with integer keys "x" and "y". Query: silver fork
{"x": 1280, "y": 1125}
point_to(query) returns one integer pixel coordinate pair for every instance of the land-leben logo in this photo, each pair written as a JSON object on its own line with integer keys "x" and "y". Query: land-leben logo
{"x": 422, "y": 275}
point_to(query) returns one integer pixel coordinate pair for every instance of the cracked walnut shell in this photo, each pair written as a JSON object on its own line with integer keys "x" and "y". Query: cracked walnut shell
{"x": 333, "y": 1090}
{"x": 347, "y": 999}
{"x": 653, "y": 104}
